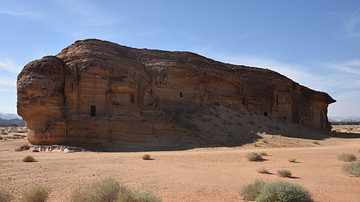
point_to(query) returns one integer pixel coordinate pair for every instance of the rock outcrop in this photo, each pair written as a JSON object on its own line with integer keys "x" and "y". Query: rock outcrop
{"x": 101, "y": 94}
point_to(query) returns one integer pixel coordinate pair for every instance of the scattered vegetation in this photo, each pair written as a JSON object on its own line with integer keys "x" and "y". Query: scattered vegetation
{"x": 109, "y": 189}
{"x": 315, "y": 142}
{"x": 251, "y": 191}
{"x": 136, "y": 196}
{"x": 292, "y": 160}
{"x": 5, "y": 196}
{"x": 284, "y": 173}
{"x": 254, "y": 157}
{"x": 35, "y": 194}
{"x": 261, "y": 191}
{"x": 352, "y": 169}
{"x": 146, "y": 157}
{"x": 28, "y": 159}
{"x": 283, "y": 191}
{"x": 263, "y": 170}
{"x": 346, "y": 157}
{"x": 263, "y": 153}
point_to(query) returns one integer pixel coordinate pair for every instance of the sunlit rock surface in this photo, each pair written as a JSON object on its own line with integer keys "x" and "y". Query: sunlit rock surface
{"x": 101, "y": 94}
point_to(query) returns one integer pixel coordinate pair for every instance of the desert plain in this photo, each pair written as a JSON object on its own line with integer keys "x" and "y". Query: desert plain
{"x": 199, "y": 174}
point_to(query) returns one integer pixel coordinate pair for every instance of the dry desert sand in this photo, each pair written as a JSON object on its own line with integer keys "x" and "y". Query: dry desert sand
{"x": 203, "y": 174}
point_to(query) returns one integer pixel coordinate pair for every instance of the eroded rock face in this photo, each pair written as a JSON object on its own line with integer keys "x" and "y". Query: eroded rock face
{"x": 103, "y": 94}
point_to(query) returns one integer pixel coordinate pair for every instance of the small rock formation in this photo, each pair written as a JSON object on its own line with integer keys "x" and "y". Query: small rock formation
{"x": 101, "y": 94}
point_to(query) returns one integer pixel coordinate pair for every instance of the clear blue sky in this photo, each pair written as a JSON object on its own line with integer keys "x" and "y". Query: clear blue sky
{"x": 314, "y": 42}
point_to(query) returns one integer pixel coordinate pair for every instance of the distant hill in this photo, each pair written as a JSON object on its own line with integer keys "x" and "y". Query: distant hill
{"x": 349, "y": 120}
{"x": 344, "y": 118}
{"x": 7, "y": 119}
{"x": 9, "y": 116}
{"x": 11, "y": 122}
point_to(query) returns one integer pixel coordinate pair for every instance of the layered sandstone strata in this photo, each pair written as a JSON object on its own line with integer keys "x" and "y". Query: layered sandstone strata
{"x": 98, "y": 93}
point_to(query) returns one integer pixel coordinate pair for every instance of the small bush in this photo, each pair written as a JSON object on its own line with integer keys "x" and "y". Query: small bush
{"x": 28, "y": 159}
{"x": 315, "y": 142}
{"x": 107, "y": 189}
{"x": 292, "y": 160}
{"x": 251, "y": 191}
{"x": 146, "y": 157}
{"x": 254, "y": 157}
{"x": 263, "y": 154}
{"x": 136, "y": 196}
{"x": 5, "y": 196}
{"x": 284, "y": 192}
{"x": 346, "y": 157}
{"x": 35, "y": 194}
{"x": 352, "y": 169}
{"x": 284, "y": 173}
{"x": 263, "y": 171}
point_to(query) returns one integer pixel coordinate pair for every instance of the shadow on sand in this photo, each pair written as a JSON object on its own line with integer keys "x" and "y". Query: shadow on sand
{"x": 210, "y": 142}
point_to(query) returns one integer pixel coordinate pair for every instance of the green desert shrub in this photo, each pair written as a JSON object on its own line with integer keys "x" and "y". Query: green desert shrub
{"x": 109, "y": 189}
{"x": 263, "y": 153}
{"x": 35, "y": 194}
{"x": 352, "y": 169}
{"x": 284, "y": 173}
{"x": 28, "y": 159}
{"x": 263, "y": 170}
{"x": 346, "y": 157}
{"x": 5, "y": 196}
{"x": 251, "y": 191}
{"x": 137, "y": 196}
{"x": 281, "y": 191}
{"x": 292, "y": 160}
{"x": 254, "y": 157}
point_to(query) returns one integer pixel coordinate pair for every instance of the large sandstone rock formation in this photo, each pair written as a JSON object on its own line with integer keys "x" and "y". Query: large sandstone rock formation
{"x": 101, "y": 94}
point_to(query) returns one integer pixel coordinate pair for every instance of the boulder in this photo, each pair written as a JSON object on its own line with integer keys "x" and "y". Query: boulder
{"x": 104, "y": 95}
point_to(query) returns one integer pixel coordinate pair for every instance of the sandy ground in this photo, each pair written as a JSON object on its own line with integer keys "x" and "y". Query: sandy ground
{"x": 206, "y": 174}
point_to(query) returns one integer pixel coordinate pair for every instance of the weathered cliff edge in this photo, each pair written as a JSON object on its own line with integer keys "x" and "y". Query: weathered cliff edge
{"x": 101, "y": 94}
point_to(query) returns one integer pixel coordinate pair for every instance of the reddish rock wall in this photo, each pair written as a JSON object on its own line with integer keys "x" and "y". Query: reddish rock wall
{"x": 100, "y": 93}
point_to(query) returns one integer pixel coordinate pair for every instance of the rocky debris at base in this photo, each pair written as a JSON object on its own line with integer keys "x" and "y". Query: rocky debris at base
{"x": 9, "y": 130}
{"x": 56, "y": 148}
{"x": 49, "y": 148}
{"x": 19, "y": 132}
